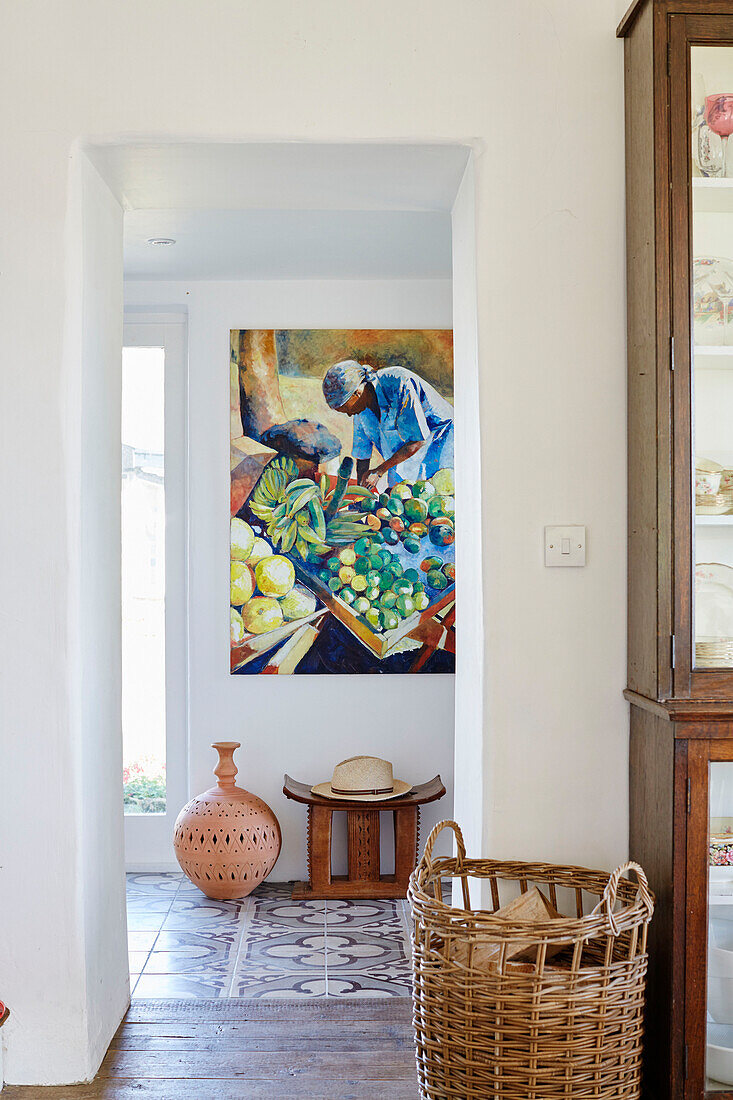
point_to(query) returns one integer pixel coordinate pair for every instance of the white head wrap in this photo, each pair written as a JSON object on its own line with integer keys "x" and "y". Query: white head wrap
{"x": 344, "y": 379}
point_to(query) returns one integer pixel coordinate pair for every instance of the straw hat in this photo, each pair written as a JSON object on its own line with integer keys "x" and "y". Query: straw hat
{"x": 362, "y": 779}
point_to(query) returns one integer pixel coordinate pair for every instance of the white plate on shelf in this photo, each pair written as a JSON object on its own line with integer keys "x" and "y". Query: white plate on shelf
{"x": 713, "y": 601}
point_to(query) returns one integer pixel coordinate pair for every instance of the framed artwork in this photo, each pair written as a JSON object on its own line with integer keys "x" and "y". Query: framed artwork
{"x": 342, "y": 518}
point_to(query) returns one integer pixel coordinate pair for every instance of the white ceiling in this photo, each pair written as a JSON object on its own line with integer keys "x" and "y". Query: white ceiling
{"x": 288, "y": 244}
{"x": 285, "y": 210}
{"x": 282, "y": 176}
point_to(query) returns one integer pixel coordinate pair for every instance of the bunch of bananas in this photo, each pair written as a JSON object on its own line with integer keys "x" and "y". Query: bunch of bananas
{"x": 300, "y": 514}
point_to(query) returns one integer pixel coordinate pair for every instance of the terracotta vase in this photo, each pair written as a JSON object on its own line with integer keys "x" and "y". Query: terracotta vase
{"x": 227, "y": 840}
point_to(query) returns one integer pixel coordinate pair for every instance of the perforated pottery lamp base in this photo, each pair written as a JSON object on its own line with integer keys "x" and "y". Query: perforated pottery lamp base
{"x": 364, "y": 879}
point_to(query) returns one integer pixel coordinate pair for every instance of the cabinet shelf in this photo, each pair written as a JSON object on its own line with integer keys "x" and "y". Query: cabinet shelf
{"x": 712, "y": 196}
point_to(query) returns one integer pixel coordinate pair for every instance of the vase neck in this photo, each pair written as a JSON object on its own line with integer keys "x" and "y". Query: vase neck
{"x": 226, "y": 770}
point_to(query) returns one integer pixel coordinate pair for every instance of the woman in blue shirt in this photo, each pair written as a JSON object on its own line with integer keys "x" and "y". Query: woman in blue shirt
{"x": 396, "y": 412}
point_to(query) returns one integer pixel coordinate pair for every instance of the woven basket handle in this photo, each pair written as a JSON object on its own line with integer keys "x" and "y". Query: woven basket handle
{"x": 610, "y": 894}
{"x": 427, "y": 856}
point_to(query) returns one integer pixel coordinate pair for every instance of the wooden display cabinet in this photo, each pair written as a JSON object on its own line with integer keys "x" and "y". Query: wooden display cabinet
{"x": 678, "y": 61}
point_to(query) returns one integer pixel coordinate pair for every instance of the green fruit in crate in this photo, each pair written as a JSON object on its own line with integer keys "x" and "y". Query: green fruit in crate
{"x": 375, "y": 561}
{"x": 430, "y": 563}
{"x": 412, "y": 545}
{"x": 324, "y": 575}
{"x": 347, "y": 556}
{"x": 435, "y": 506}
{"x": 390, "y": 619}
{"x": 416, "y": 510}
{"x": 396, "y": 566}
{"x": 395, "y": 506}
{"x": 385, "y": 556}
{"x": 418, "y": 586}
{"x": 362, "y": 605}
{"x": 362, "y": 546}
{"x": 334, "y": 584}
{"x": 390, "y": 537}
{"x": 442, "y": 534}
{"x": 423, "y": 489}
{"x": 420, "y": 600}
{"x": 348, "y": 595}
{"x": 386, "y": 579}
{"x": 241, "y": 540}
{"x": 298, "y": 603}
{"x": 383, "y": 500}
{"x": 333, "y": 564}
{"x": 373, "y": 594}
{"x": 359, "y": 582}
{"x": 261, "y": 615}
{"x": 373, "y": 577}
{"x": 418, "y": 530}
{"x": 242, "y": 583}
{"x": 402, "y": 587}
{"x": 373, "y": 617}
{"x": 368, "y": 504}
{"x": 388, "y": 599}
{"x": 363, "y": 565}
{"x": 346, "y": 574}
{"x": 384, "y": 514}
{"x": 405, "y": 606}
{"x": 412, "y": 576}
{"x": 402, "y": 490}
{"x": 443, "y": 482}
{"x": 377, "y": 538}
{"x": 437, "y": 580}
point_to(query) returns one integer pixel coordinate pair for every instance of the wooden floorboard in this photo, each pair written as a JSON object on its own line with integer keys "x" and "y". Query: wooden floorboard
{"x": 330, "y": 1049}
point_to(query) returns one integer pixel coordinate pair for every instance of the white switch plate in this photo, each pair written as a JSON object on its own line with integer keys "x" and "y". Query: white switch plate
{"x": 565, "y": 545}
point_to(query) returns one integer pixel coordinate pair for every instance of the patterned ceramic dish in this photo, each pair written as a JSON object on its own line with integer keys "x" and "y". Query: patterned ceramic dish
{"x": 708, "y": 475}
{"x": 713, "y": 504}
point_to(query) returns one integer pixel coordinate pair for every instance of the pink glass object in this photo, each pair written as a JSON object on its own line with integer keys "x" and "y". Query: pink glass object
{"x": 719, "y": 117}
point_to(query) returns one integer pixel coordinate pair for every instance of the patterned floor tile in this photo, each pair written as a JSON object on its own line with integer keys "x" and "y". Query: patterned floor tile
{"x": 287, "y": 952}
{"x": 270, "y": 981}
{"x": 188, "y": 986}
{"x": 200, "y": 914}
{"x": 188, "y": 952}
{"x": 139, "y": 883}
{"x": 145, "y": 921}
{"x": 354, "y": 951}
{"x": 273, "y": 917}
{"x": 356, "y": 913}
{"x": 375, "y": 981}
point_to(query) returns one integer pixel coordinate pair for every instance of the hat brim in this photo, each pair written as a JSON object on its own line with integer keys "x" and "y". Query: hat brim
{"x": 323, "y": 790}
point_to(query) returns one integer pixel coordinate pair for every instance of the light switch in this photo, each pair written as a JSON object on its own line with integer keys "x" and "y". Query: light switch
{"x": 565, "y": 546}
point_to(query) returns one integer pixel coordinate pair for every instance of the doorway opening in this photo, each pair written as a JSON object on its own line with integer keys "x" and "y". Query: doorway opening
{"x": 280, "y": 239}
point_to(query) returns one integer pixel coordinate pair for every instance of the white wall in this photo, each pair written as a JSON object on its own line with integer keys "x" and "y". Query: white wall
{"x": 538, "y": 86}
{"x": 301, "y": 725}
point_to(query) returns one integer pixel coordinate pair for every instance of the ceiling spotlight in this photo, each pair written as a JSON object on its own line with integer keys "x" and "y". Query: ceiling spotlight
{"x": 161, "y": 240}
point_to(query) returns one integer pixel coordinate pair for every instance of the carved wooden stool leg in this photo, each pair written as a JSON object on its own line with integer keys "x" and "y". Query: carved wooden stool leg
{"x": 319, "y": 846}
{"x": 405, "y": 844}
{"x": 363, "y": 843}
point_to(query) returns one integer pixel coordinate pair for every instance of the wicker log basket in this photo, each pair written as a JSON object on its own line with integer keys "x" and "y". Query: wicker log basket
{"x": 567, "y": 1023}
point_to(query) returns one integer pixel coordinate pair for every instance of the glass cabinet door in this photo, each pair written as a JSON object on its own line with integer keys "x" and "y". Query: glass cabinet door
{"x": 711, "y": 88}
{"x": 719, "y": 1024}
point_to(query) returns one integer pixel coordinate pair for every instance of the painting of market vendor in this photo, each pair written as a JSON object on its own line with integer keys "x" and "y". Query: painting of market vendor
{"x": 342, "y": 519}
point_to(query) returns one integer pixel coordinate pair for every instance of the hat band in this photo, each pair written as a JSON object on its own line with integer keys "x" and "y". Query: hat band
{"x": 376, "y": 790}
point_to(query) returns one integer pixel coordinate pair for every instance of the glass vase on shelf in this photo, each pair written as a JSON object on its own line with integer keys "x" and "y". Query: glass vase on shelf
{"x": 719, "y": 119}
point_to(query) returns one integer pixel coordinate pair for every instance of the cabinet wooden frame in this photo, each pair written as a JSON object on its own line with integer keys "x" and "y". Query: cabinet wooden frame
{"x": 681, "y": 716}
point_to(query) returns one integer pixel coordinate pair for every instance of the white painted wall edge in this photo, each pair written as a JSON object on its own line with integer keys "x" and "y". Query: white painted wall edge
{"x": 468, "y": 799}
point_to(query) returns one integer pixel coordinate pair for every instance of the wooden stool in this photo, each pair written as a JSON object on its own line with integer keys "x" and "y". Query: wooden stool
{"x": 364, "y": 879}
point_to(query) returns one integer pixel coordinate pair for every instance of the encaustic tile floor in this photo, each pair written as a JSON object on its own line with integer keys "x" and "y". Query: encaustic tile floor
{"x": 182, "y": 945}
